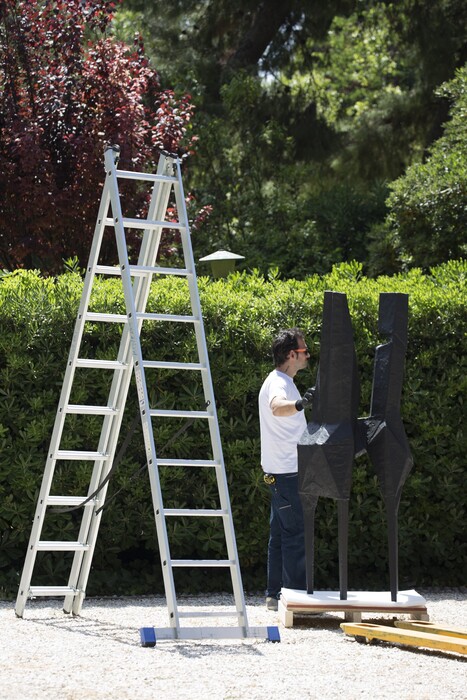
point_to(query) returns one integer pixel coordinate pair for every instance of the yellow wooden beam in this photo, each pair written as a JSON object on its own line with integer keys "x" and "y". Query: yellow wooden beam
{"x": 406, "y": 637}
{"x": 432, "y": 627}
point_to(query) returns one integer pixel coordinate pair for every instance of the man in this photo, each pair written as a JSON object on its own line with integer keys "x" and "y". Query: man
{"x": 282, "y": 423}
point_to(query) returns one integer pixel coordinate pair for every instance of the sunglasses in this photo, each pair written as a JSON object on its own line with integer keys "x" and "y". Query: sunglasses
{"x": 302, "y": 350}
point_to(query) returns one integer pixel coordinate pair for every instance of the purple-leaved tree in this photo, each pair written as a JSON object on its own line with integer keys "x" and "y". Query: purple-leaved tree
{"x": 68, "y": 88}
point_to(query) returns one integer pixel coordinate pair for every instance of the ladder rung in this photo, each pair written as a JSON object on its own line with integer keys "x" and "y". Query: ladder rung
{"x": 107, "y": 318}
{"x": 81, "y": 454}
{"x": 209, "y": 613}
{"x": 187, "y": 463}
{"x": 155, "y": 364}
{"x": 128, "y": 175}
{"x": 205, "y": 512}
{"x": 178, "y": 414}
{"x": 145, "y": 224}
{"x": 56, "y": 546}
{"x": 101, "y": 364}
{"x": 182, "y": 271}
{"x": 107, "y": 270}
{"x": 145, "y": 270}
{"x": 168, "y": 317}
{"x": 201, "y": 563}
{"x": 91, "y": 410}
{"x": 36, "y": 591}
{"x": 142, "y": 270}
{"x": 68, "y": 501}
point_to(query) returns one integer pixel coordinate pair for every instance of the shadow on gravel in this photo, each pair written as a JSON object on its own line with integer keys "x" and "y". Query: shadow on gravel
{"x": 199, "y": 648}
{"x": 91, "y": 628}
{"x": 130, "y": 636}
{"x": 89, "y": 625}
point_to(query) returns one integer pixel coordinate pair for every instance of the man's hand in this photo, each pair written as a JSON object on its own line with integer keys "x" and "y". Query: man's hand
{"x": 306, "y": 400}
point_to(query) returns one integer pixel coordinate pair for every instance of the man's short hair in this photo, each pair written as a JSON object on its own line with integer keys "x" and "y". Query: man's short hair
{"x": 285, "y": 341}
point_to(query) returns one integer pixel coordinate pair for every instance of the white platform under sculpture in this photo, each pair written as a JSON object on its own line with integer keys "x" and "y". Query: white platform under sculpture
{"x": 298, "y": 602}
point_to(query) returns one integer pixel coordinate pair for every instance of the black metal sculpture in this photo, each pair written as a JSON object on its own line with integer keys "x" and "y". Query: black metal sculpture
{"x": 386, "y": 442}
{"x": 327, "y": 448}
{"x": 335, "y": 435}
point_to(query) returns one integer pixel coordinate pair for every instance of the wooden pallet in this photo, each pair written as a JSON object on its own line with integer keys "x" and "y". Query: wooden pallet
{"x": 413, "y": 634}
{"x": 433, "y": 628}
{"x": 298, "y": 603}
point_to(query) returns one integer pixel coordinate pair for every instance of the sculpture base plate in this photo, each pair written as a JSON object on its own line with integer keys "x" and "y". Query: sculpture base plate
{"x": 294, "y": 602}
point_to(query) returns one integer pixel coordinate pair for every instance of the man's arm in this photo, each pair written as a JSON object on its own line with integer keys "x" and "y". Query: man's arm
{"x": 282, "y": 407}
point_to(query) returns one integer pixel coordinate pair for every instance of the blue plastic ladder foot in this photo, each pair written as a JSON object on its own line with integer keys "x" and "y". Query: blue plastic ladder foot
{"x": 148, "y": 636}
{"x": 273, "y": 634}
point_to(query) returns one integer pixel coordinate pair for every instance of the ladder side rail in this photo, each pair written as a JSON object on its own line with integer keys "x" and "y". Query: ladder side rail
{"x": 151, "y": 240}
{"x": 201, "y": 341}
{"x": 209, "y": 395}
{"x": 144, "y": 404}
{"x": 108, "y": 441}
{"x": 108, "y": 445}
{"x": 63, "y": 401}
{"x": 223, "y": 488}
{"x": 118, "y": 395}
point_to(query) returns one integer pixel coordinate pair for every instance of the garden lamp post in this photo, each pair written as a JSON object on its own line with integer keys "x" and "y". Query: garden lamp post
{"x": 222, "y": 262}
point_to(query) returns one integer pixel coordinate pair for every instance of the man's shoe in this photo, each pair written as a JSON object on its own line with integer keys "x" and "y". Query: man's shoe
{"x": 271, "y": 603}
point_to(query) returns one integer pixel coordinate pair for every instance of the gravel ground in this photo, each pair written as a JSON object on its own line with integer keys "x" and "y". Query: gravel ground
{"x": 99, "y": 655}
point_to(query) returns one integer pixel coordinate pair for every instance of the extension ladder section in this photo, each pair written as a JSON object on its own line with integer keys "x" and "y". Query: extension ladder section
{"x": 166, "y": 190}
{"x": 412, "y": 634}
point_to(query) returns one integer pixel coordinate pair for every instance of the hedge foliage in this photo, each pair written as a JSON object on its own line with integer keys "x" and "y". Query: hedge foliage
{"x": 241, "y": 315}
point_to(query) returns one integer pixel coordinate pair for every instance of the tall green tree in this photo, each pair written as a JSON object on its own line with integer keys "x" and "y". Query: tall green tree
{"x": 428, "y": 204}
{"x": 306, "y": 111}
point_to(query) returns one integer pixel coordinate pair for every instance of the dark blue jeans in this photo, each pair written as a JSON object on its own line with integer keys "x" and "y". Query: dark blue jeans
{"x": 286, "y": 549}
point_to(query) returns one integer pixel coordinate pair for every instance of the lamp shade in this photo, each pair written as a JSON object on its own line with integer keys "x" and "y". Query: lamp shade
{"x": 222, "y": 262}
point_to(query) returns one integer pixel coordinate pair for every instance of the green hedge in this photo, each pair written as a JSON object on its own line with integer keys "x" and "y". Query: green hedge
{"x": 241, "y": 315}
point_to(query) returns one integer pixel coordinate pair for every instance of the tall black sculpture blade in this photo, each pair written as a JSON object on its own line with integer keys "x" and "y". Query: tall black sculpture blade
{"x": 387, "y": 443}
{"x": 327, "y": 447}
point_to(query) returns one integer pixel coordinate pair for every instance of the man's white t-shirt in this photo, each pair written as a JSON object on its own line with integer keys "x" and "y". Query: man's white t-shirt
{"x": 279, "y": 434}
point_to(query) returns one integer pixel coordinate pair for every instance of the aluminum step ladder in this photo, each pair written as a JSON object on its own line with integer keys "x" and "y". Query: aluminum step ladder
{"x": 166, "y": 189}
